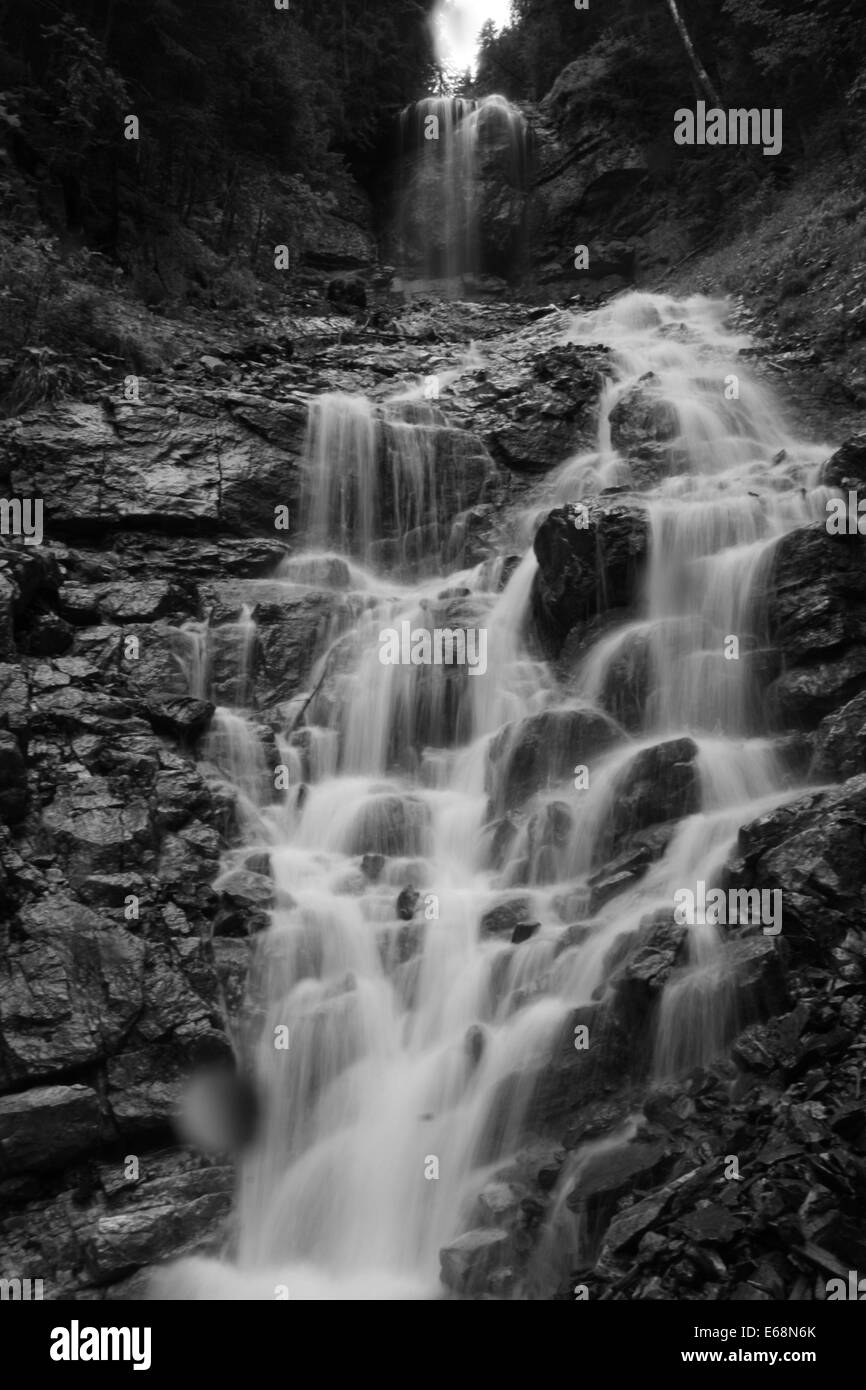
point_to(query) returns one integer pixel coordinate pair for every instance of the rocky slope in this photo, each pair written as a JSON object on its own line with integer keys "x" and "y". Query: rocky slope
{"x": 122, "y": 964}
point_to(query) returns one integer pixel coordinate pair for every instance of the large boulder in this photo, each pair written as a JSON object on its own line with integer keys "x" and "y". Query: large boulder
{"x": 591, "y": 556}
{"x": 660, "y": 783}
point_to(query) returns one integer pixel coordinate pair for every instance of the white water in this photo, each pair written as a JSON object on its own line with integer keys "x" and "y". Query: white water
{"x": 442, "y": 141}
{"x": 422, "y": 1042}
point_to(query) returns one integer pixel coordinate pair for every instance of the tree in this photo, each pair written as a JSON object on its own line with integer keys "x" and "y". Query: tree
{"x": 697, "y": 66}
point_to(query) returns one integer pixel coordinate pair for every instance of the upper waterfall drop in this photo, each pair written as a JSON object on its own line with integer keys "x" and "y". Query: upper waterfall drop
{"x": 453, "y": 151}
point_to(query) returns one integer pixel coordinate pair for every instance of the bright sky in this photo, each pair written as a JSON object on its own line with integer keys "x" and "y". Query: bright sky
{"x": 457, "y": 26}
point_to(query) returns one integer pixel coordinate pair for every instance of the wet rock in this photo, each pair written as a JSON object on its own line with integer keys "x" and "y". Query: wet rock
{"x": 468, "y": 1263}
{"x": 390, "y": 825}
{"x": 659, "y": 784}
{"x": 399, "y": 945}
{"x": 407, "y": 901}
{"x": 288, "y": 636}
{"x": 182, "y": 717}
{"x": 73, "y": 983}
{"x": 95, "y": 829}
{"x": 372, "y": 866}
{"x": 811, "y": 851}
{"x": 548, "y": 835}
{"x": 47, "y": 1127}
{"x": 759, "y": 976}
{"x": 589, "y": 567}
{"x": 524, "y": 931}
{"x": 576, "y": 1074}
{"x": 246, "y": 900}
{"x": 655, "y": 951}
{"x": 541, "y": 751}
{"x": 642, "y": 416}
{"x": 612, "y": 1174}
{"x": 817, "y": 619}
{"x": 846, "y": 469}
{"x": 161, "y": 1219}
{"x": 218, "y": 459}
{"x": 840, "y": 743}
{"x": 145, "y": 601}
{"x": 627, "y": 1228}
{"x": 504, "y": 918}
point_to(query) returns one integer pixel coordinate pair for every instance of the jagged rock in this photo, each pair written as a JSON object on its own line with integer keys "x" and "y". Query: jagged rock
{"x": 96, "y": 829}
{"x": 73, "y": 983}
{"x": 840, "y": 743}
{"x": 217, "y": 459}
{"x": 811, "y": 851}
{"x": 182, "y": 717}
{"x": 588, "y": 567}
{"x": 656, "y": 949}
{"x": 47, "y": 1127}
{"x": 246, "y": 899}
{"x": 144, "y": 601}
{"x": 817, "y": 620}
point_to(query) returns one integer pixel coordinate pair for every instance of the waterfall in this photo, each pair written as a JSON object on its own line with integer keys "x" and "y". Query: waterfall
{"x": 445, "y": 144}
{"x": 417, "y": 1034}
{"x": 381, "y": 482}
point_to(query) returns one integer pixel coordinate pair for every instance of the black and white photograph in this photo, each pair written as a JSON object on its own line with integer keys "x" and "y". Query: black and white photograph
{"x": 432, "y": 670}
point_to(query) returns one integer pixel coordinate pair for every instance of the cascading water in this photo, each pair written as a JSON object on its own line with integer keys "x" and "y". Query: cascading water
{"x": 444, "y": 141}
{"x": 416, "y": 1039}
